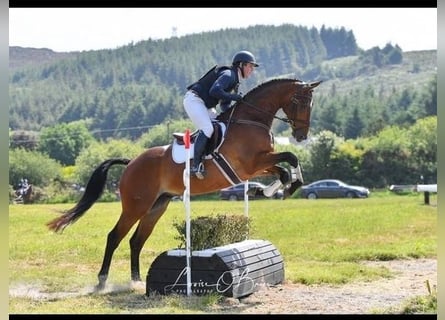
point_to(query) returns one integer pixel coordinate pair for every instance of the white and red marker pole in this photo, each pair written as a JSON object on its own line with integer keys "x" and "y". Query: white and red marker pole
{"x": 186, "y": 200}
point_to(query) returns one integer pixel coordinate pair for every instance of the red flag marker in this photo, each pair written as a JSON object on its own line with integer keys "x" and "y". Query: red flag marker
{"x": 187, "y": 139}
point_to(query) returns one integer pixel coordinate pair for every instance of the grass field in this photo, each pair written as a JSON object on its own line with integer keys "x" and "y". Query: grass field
{"x": 321, "y": 241}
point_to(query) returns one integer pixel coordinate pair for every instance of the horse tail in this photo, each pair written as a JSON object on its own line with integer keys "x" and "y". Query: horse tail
{"x": 93, "y": 191}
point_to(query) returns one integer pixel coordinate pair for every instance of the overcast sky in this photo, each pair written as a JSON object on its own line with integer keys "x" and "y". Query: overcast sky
{"x": 79, "y": 29}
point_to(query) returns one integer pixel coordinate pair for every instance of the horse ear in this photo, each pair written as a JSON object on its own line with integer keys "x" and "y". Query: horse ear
{"x": 314, "y": 84}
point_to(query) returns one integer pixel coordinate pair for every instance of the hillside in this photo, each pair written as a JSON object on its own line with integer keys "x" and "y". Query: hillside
{"x": 417, "y": 69}
{"x": 142, "y": 84}
{"x": 419, "y": 65}
{"x": 20, "y": 57}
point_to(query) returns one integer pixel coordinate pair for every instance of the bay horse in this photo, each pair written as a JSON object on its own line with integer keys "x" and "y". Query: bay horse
{"x": 153, "y": 178}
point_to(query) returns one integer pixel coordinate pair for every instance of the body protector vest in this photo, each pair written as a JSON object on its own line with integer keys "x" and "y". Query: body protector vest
{"x": 203, "y": 85}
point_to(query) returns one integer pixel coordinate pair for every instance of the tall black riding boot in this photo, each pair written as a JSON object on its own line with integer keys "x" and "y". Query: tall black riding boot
{"x": 200, "y": 144}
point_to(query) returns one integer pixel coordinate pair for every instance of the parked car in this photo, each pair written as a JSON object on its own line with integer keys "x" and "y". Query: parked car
{"x": 255, "y": 191}
{"x": 333, "y": 188}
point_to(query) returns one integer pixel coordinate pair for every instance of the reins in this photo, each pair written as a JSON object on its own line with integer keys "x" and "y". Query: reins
{"x": 259, "y": 124}
{"x": 248, "y": 122}
{"x": 291, "y": 122}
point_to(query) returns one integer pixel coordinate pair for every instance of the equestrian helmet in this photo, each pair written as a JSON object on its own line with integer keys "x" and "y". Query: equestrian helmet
{"x": 244, "y": 56}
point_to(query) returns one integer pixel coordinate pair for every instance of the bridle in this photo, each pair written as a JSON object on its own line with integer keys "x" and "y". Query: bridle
{"x": 300, "y": 101}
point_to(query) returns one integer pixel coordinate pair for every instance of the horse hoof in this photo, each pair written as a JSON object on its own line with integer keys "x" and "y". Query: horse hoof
{"x": 101, "y": 285}
{"x": 138, "y": 284}
{"x": 298, "y": 184}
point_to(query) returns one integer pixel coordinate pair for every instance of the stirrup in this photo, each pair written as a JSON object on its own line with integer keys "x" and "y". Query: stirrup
{"x": 198, "y": 171}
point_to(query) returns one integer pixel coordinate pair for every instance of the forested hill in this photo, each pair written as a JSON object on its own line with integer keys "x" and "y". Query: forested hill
{"x": 142, "y": 84}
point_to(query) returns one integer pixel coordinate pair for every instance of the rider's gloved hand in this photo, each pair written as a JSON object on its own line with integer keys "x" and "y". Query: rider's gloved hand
{"x": 236, "y": 97}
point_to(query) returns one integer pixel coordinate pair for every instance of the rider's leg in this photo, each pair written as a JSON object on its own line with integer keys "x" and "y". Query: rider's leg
{"x": 201, "y": 117}
{"x": 197, "y": 168}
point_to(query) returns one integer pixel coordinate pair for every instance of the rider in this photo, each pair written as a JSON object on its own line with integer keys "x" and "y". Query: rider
{"x": 219, "y": 85}
{"x": 22, "y": 187}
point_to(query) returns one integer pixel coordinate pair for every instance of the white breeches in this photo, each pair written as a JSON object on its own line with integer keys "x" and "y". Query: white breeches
{"x": 198, "y": 113}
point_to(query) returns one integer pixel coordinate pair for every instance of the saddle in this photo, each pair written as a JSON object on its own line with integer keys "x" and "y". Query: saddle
{"x": 214, "y": 141}
{"x": 211, "y": 151}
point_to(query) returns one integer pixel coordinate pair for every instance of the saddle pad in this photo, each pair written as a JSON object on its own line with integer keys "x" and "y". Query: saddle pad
{"x": 179, "y": 152}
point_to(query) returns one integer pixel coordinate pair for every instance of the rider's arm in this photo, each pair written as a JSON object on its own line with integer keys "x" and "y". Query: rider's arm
{"x": 224, "y": 82}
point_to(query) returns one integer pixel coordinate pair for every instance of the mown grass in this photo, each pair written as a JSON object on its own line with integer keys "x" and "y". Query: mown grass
{"x": 321, "y": 241}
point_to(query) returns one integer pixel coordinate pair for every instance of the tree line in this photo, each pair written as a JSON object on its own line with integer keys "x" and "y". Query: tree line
{"x": 396, "y": 155}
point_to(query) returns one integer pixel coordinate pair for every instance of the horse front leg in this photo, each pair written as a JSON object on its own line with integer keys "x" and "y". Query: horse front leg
{"x": 295, "y": 178}
{"x": 292, "y": 179}
{"x": 283, "y": 179}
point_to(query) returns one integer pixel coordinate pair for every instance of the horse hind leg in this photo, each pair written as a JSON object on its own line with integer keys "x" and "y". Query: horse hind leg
{"x": 114, "y": 238}
{"x": 143, "y": 231}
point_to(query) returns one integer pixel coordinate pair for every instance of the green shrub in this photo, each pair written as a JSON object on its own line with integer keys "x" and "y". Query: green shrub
{"x": 209, "y": 232}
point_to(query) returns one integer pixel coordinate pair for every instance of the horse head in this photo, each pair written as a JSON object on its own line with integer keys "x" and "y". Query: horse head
{"x": 261, "y": 104}
{"x": 297, "y": 105}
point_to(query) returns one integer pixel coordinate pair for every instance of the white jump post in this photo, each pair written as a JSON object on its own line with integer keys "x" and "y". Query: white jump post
{"x": 246, "y": 198}
{"x": 186, "y": 200}
{"x": 426, "y": 189}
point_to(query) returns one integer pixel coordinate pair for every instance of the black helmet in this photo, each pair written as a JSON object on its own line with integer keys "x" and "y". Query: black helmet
{"x": 244, "y": 56}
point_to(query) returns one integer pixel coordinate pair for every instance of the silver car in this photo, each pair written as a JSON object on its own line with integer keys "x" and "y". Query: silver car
{"x": 333, "y": 188}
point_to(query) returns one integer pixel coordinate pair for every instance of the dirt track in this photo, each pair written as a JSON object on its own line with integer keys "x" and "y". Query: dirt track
{"x": 382, "y": 296}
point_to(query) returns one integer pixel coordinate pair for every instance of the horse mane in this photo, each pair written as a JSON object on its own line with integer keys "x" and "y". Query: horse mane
{"x": 256, "y": 89}
{"x": 264, "y": 84}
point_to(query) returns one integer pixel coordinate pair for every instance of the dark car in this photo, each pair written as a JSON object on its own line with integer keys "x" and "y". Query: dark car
{"x": 255, "y": 191}
{"x": 333, "y": 188}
